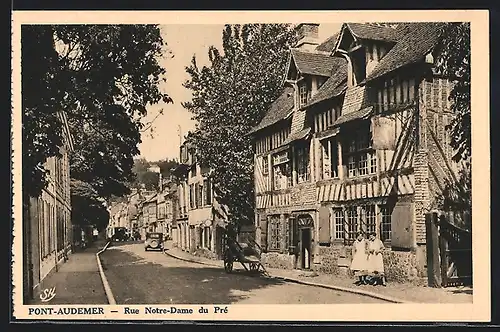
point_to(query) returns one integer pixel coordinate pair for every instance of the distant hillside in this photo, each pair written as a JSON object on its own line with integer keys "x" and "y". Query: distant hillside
{"x": 151, "y": 179}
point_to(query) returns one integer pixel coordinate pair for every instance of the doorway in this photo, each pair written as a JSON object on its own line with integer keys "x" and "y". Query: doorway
{"x": 305, "y": 255}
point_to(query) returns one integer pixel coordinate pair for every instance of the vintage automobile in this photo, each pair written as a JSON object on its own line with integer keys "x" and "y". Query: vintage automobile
{"x": 153, "y": 241}
{"x": 120, "y": 234}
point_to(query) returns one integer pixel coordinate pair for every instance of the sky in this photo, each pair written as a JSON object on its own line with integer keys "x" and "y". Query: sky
{"x": 183, "y": 42}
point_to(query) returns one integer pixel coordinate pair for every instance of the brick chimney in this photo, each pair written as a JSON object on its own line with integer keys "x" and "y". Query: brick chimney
{"x": 307, "y": 36}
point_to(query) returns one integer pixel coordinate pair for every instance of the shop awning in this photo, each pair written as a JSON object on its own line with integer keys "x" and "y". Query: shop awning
{"x": 361, "y": 114}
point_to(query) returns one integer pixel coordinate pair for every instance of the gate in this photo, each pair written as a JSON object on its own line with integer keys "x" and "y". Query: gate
{"x": 449, "y": 251}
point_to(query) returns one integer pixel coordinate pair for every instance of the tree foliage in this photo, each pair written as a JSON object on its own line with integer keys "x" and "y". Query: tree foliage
{"x": 103, "y": 77}
{"x": 454, "y": 61}
{"x": 230, "y": 96}
{"x": 144, "y": 177}
{"x": 87, "y": 207}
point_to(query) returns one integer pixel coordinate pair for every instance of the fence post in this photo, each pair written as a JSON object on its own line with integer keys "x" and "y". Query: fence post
{"x": 433, "y": 266}
{"x": 443, "y": 248}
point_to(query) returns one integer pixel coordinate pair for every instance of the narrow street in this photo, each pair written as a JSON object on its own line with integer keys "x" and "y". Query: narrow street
{"x": 139, "y": 277}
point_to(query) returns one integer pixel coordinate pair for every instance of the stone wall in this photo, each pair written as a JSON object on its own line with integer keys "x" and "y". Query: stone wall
{"x": 278, "y": 261}
{"x": 400, "y": 266}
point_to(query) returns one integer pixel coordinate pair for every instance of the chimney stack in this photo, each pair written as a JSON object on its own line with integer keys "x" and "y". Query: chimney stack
{"x": 308, "y": 34}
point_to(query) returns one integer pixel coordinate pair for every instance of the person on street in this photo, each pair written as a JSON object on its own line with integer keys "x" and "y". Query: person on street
{"x": 376, "y": 260}
{"x": 359, "y": 259}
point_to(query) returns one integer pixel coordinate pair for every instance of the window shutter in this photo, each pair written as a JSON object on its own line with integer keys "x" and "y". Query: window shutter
{"x": 263, "y": 231}
{"x": 324, "y": 225}
{"x": 401, "y": 224}
{"x": 293, "y": 235}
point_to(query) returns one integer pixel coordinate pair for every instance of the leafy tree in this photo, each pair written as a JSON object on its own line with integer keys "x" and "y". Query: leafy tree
{"x": 230, "y": 97}
{"x": 454, "y": 61}
{"x": 87, "y": 206}
{"x": 40, "y": 99}
{"x": 103, "y": 77}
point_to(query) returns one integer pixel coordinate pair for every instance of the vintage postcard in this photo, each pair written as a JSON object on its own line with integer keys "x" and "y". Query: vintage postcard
{"x": 251, "y": 166}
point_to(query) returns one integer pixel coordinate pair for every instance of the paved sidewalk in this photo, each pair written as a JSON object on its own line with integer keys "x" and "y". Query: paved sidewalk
{"x": 77, "y": 281}
{"x": 393, "y": 292}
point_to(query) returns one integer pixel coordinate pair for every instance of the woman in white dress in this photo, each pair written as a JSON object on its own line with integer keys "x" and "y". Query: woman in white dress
{"x": 375, "y": 259}
{"x": 359, "y": 259}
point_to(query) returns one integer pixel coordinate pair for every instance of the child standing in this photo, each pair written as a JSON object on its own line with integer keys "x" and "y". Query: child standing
{"x": 375, "y": 259}
{"x": 359, "y": 259}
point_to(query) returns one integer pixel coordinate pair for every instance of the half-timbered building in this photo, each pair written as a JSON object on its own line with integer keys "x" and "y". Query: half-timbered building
{"x": 356, "y": 142}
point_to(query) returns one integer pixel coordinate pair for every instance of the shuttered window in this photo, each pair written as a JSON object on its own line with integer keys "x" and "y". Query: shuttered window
{"x": 401, "y": 226}
{"x": 324, "y": 225}
{"x": 263, "y": 231}
{"x": 293, "y": 234}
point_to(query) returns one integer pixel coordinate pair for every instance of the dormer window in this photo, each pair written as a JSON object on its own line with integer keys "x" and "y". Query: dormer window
{"x": 359, "y": 64}
{"x": 303, "y": 94}
{"x": 304, "y": 91}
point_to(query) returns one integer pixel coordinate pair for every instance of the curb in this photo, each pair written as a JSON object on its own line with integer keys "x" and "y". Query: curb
{"x": 189, "y": 260}
{"x": 307, "y": 283}
{"x": 107, "y": 288}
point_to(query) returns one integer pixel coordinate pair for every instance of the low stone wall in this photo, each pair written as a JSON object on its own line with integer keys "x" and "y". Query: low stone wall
{"x": 278, "y": 261}
{"x": 400, "y": 266}
{"x": 329, "y": 261}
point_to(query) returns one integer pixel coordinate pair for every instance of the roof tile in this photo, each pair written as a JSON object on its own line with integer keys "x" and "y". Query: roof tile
{"x": 419, "y": 39}
{"x": 314, "y": 63}
{"x": 329, "y": 44}
{"x": 279, "y": 110}
{"x": 374, "y": 32}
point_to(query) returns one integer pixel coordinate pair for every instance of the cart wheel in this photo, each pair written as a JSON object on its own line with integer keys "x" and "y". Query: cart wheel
{"x": 228, "y": 266}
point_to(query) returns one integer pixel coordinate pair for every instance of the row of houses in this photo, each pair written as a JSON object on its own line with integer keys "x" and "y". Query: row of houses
{"x": 200, "y": 219}
{"x": 183, "y": 208}
{"x": 356, "y": 142}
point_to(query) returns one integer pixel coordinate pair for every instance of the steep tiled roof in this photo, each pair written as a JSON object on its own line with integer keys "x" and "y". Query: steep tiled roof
{"x": 314, "y": 63}
{"x": 329, "y": 44}
{"x": 333, "y": 86}
{"x": 280, "y": 109}
{"x": 419, "y": 40}
{"x": 374, "y": 32}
